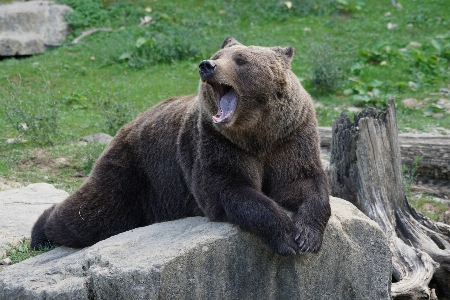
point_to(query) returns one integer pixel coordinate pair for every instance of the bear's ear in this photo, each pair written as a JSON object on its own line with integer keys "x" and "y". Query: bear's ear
{"x": 287, "y": 53}
{"x": 230, "y": 42}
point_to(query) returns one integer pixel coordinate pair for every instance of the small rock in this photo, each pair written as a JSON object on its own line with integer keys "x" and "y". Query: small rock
{"x": 16, "y": 140}
{"x": 288, "y": 4}
{"x": 412, "y": 85}
{"x": 6, "y": 261}
{"x": 444, "y": 103}
{"x": 414, "y": 44}
{"x": 145, "y": 20}
{"x": 391, "y": 26}
{"x": 444, "y": 90}
{"x": 100, "y": 137}
{"x": 438, "y": 116}
{"x": 411, "y": 103}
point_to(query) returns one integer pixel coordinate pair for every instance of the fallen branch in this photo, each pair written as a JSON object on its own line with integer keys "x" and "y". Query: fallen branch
{"x": 433, "y": 151}
{"x": 87, "y": 33}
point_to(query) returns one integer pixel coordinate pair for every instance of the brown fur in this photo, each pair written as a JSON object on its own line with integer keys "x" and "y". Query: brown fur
{"x": 173, "y": 162}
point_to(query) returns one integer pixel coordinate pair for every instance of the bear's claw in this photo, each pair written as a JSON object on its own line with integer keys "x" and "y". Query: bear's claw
{"x": 308, "y": 239}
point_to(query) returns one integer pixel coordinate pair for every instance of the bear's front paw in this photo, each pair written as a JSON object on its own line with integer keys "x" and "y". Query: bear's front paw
{"x": 307, "y": 238}
{"x": 285, "y": 245}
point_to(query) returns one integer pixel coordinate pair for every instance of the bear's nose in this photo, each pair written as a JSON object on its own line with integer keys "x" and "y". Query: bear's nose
{"x": 206, "y": 68}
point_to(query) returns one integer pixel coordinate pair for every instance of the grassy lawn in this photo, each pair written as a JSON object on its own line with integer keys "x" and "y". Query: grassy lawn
{"x": 346, "y": 57}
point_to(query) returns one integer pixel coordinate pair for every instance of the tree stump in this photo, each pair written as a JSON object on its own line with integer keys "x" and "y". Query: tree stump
{"x": 433, "y": 151}
{"x": 366, "y": 169}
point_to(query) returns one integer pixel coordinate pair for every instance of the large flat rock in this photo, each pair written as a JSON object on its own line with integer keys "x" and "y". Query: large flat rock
{"x": 196, "y": 259}
{"x": 20, "y": 208}
{"x": 28, "y": 27}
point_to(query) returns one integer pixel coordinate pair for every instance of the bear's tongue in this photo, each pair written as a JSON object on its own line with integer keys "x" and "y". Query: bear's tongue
{"x": 227, "y": 105}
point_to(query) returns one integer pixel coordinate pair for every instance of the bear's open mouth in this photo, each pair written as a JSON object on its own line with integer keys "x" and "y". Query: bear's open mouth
{"x": 226, "y": 101}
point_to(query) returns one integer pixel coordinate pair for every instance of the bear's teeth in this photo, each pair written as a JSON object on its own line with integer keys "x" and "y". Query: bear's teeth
{"x": 227, "y": 106}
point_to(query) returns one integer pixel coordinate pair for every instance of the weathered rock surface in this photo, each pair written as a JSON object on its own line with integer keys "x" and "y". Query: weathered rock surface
{"x": 196, "y": 259}
{"x": 28, "y": 27}
{"x": 20, "y": 208}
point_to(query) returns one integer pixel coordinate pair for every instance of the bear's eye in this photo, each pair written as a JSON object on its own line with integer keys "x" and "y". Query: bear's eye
{"x": 240, "y": 61}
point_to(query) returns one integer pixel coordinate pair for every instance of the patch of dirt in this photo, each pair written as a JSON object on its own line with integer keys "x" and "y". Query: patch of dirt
{"x": 42, "y": 160}
{"x": 437, "y": 187}
{"x": 6, "y": 184}
{"x": 443, "y": 216}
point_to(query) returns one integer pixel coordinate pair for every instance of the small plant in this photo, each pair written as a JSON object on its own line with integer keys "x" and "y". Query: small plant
{"x": 327, "y": 71}
{"x": 96, "y": 13}
{"x": 349, "y": 6}
{"x": 116, "y": 112}
{"x": 380, "y": 52}
{"x": 152, "y": 47}
{"x": 437, "y": 208}
{"x": 409, "y": 174}
{"x": 368, "y": 93}
{"x": 36, "y": 124}
{"x": 21, "y": 251}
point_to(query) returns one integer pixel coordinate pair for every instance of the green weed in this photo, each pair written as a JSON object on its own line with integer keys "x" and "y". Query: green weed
{"x": 327, "y": 70}
{"x": 21, "y": 251}
{"x": 31, "y": 117}
{"x": 380, "y": 52}
{"x": 424, "y": 199}
{"x": 409, "y": 173}
{"x": 86, "y": 157}
{"x": 151, "y": 46}
{"x": 96, "y": 13}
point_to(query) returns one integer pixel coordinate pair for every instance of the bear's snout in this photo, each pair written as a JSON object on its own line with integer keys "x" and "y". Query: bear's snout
{"x": 206, "y": 69}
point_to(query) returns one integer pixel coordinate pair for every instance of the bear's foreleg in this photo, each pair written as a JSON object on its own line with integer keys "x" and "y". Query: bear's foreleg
{"x": 231, "y": 195}
{"x": 312, "y": 214}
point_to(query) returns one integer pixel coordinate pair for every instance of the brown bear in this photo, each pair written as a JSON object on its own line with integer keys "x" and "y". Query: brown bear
{"x": 242, "y": 150}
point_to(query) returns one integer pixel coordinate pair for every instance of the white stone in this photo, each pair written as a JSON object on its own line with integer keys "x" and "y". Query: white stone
{"x": 26, "y": 28}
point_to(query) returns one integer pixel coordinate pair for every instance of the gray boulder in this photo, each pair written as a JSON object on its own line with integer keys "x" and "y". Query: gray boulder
{"x": 28, "y": 27}
{"x": 20, "y": 208}
{"x": 196, "y": 259}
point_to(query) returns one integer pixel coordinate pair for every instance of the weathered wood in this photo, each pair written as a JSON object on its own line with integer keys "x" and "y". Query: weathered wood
{"x": 366, "y": 169}
{"x": 433, "y": 151}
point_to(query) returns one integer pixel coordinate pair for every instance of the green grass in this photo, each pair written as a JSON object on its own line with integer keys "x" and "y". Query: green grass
{"x": 439, "y": 207}
{"x": 108, "y": 78}
{"x": 22, "y": 251}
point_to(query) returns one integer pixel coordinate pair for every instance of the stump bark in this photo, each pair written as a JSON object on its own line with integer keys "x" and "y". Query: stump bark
{"x": 366, "y": 169}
